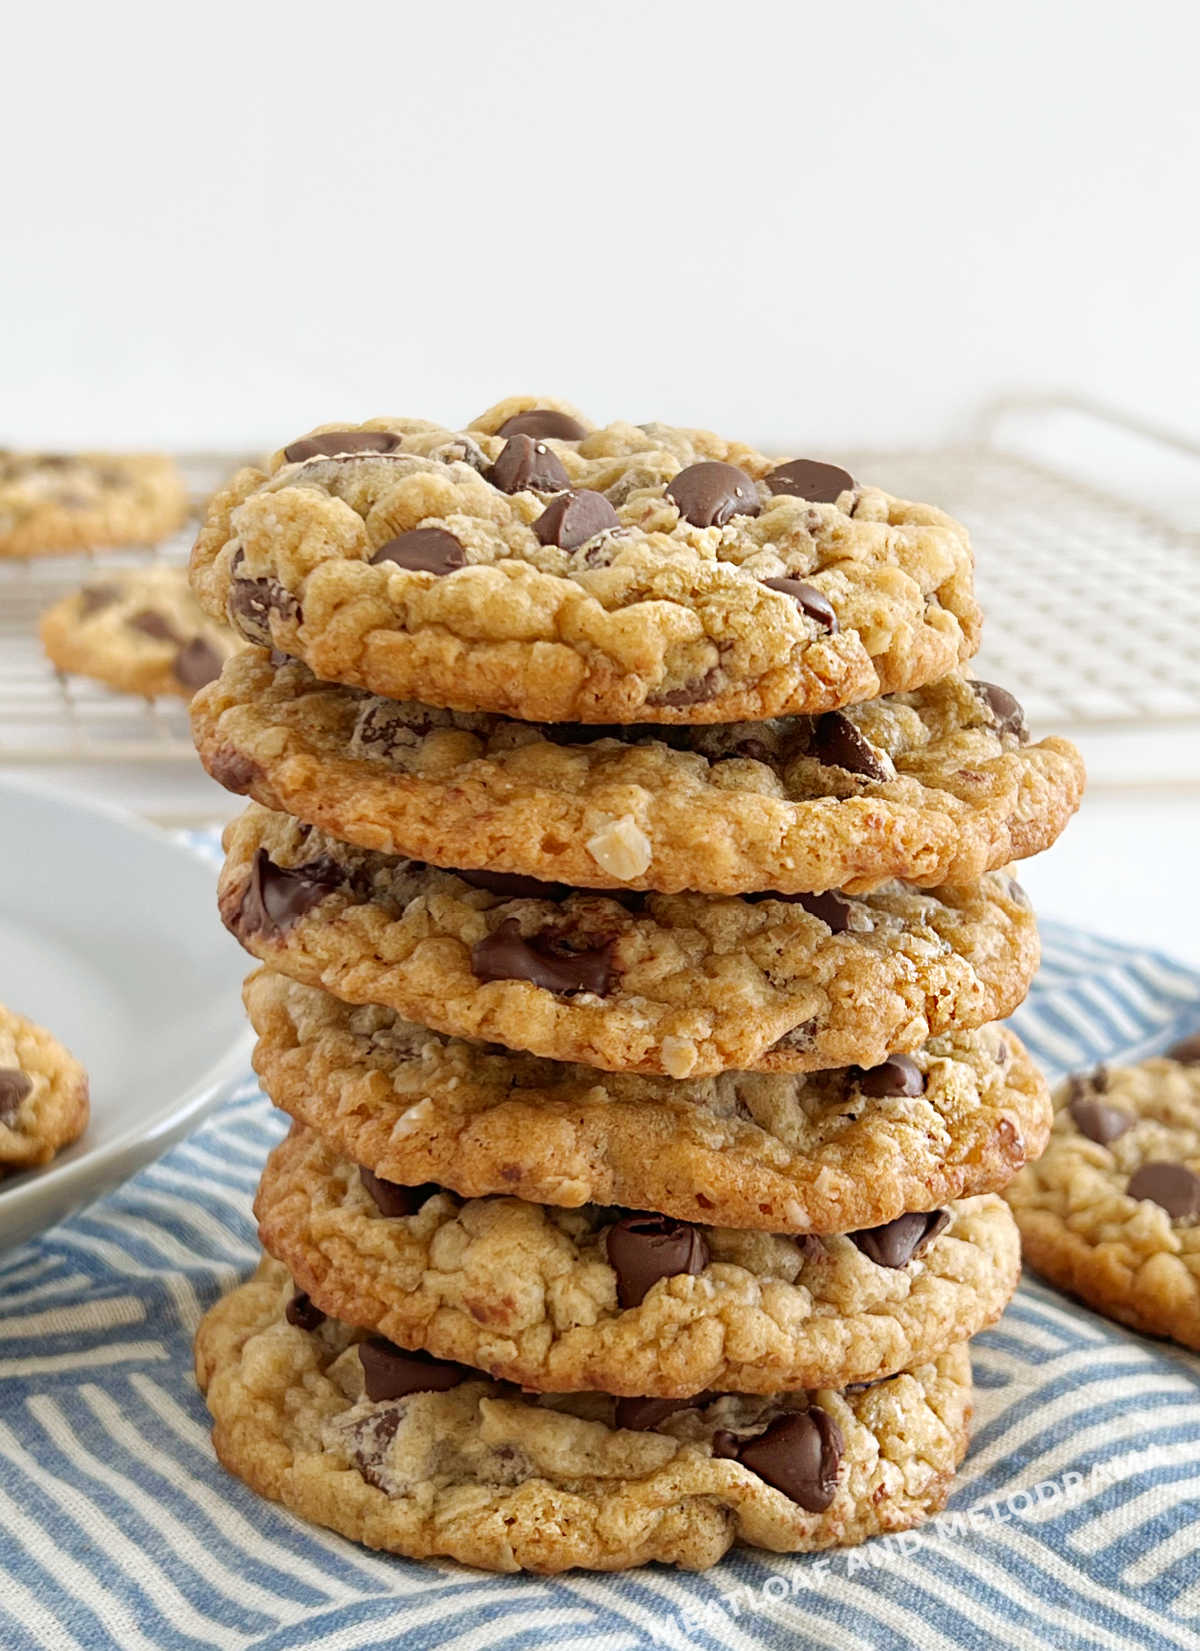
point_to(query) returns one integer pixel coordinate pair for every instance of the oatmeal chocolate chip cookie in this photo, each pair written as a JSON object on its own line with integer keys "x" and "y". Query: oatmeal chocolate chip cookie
{"x": 51, "y": 502}
{"x": 627, "y": 1301}
{"x": 139, "y": 630}
{"x": 1112, "y": 1211}
{"x": 626, "y": 574}
{"x": 934, "y": 786}
{"x": 684, "y": 985}
{"x": 425, "y": 1457}
{"x": 821, "y": 1152}
{"x": 43, "y": 1094}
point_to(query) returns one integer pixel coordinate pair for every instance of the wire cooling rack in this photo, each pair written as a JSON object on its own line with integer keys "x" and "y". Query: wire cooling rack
{"x": 1092, "y": 606}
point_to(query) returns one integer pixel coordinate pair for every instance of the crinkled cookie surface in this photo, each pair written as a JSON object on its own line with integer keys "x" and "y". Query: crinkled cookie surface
{"x": 624, "y": 574}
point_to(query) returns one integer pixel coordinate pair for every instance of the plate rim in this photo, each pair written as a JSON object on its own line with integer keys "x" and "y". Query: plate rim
{"x": 59, "y": 1180}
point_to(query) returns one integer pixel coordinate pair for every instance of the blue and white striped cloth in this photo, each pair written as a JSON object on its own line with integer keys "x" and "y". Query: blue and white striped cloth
{"x": 1075, "y": 1522}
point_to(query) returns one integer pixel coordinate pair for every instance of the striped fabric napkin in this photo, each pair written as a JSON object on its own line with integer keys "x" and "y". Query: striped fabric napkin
{"x": 1075, "y": 1521}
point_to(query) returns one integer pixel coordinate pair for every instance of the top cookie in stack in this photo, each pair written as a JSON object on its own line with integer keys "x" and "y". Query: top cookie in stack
{"x": 625, "y": 827}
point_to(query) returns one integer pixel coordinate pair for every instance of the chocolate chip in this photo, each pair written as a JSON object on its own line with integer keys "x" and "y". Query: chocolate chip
{"x": 642, "y": 1249}
{"x": 1175, "y": 1187}
{"x": 809, "y": 479}
{"x": 898, "y": 1242}
{"x": 709, "y": 493}
{"x": 526, "y": 465}
{"x": 276, "y": 898}
{"x": 336, "y": 442}
{"x": 511, "y": 886}
{"x": 232, "y": 770}
{"x": 809, "y": 599}
{"x": 1007, "y": 712}
{"x": 1098, "y": 1120}
{"x": 389, "y": 1372}
{"x": 303, "y": 1313}
{"x": 154, "y": 625}
{"x": 252, "y": 602}
{"x": 898, "y": 1075}
{"x": 839, "y": 744}
{"x": 799, "y": 1455}
{"x": 95, "y": 598}
{"x": 15, "y": 1085}
{"x": 1186, "y": 1052}
{"x": 692, "y": 693}
{"x": 543, "y": 423}
{"x": 423, "y": 550}
{"x": 573, "y": 518}
{"x": 832, "y": 908}
{"x": 644, "y": 1415}
{"x": 196, "y": 664}
{"x": 505, "y": 955}
{"x": 372, "y": 1436}
{"x": 393, "y": 1199}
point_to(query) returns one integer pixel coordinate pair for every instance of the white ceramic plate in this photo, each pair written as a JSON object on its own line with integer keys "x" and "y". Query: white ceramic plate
{"x": 109, "y": 937}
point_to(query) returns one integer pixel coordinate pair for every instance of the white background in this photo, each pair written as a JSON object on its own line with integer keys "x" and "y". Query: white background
{"x": 814, "y": 225}
{"x": 844, "y": 222}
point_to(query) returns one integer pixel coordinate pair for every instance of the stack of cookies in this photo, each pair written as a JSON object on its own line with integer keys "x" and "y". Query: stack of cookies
{"x": 627, "y": 871}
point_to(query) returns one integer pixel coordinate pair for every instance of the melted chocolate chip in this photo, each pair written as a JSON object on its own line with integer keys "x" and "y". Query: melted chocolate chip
{"x": 303, "y": 1312}
{"x": 573, "y": 518}
{"x": 154, "y": 625}
{"x": 232, "y": 770}
{"x": 252, "y": 602}
{"x": 1099, "y": 1121}
{"x": 336, "y": 442}
{"x": 95, "y": 598}
{"x": 1173, "y": 1186}
{"x": 642, "y": 1249}
{"x": 710, "y": 493}
{"x": 372, "y": 1436}
{"x": 898, "y": 1075}
{"x": 389, "y": 1372}
{"x": 833, "y": 909}
{"x": 423, "y": 550}
{"x": 15, "y": 1085}
{"x": 543, "y": 423}
{"x": 511, "y": 886}
{"x": 809, "y": 600}
{"x": 799, "y": 1455}
{"x": 644, "y": 1415}
{"x": 810, "y": 479}
{"x": 393, "y": 1199}
{"x": 1007, "y": 712}
{"x": 692, "y": 693}
{"x": 196, "y": 664}
{"x": 276, "y": 898}
{"x": 505, "y": 955}
{"x": 898, "y": 1242}
{"x": 1187, "y": 1051}
{"x": 525, "y": 465}
{"x": 838, "y": 743}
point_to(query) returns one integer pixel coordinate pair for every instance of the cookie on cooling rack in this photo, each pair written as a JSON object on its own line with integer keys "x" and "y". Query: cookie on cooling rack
{"x": 138, "y": 630}
{"x": 61, "y": 502}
